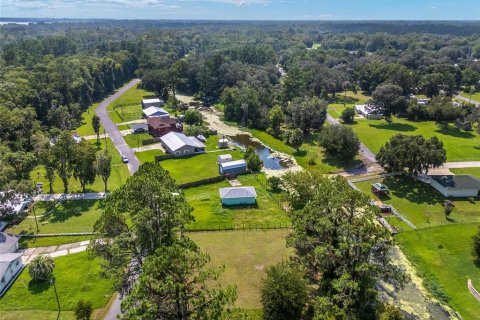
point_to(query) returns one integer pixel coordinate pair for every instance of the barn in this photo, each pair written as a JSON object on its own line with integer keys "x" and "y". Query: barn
{"x": 232, "y": 168}
{"x": 238, "y": 196}
{"x": 459, "y": 186}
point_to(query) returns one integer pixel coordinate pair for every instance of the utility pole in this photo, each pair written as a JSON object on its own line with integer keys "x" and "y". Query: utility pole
{"x": 52, "y": 281}
{"x": 35, "y": 215}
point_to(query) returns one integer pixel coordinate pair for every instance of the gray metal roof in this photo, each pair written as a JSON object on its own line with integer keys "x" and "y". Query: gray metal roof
{"x": 9, "y": 257}
{"x": 458, "y": 182}
{"x": 225, "y": 156}
{"x": 153, "y": 100}
{"x": 233, "y": 164}
{"x": 152, "y": 111}
{"x": 238, "y": 192}
{"x": 7, "y": 241}
{"x": 176, "y": 140}
{"x": 139, "y": 126}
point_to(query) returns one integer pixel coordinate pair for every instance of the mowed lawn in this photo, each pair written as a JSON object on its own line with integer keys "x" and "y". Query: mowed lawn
{"x": 136, "y": 140}
{"x": 31, "y": 242}
{"x": 246, "y": 255}
{"x": 62, "y": 217}
{"x": 210, "y": 214}
{"x": 77, "y": 277}
{"x": 148, "y": 156}
{"x": 117, "y": 178}
{"x": 196, "y": 167}
{"x": 443, "y": 257}
{"x": 85, "y": 128}
{"x": 128, "y": 106}
{"x": 474, "y": 97}
{"x": 422, "y": 204}
{"x": 471, "y": 171}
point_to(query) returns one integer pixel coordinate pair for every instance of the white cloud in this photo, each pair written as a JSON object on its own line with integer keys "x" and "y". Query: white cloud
{"x": 234, "y": 2}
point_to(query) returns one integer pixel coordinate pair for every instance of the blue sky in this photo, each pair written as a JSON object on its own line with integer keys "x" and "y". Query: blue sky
{"x": 246, "y": 9}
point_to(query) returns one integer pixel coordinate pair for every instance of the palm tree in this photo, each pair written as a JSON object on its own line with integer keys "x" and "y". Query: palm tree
{"x": 41, "y": 268}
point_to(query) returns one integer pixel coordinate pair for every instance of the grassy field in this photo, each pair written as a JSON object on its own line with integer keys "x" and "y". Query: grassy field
{"x": 136, "y": 140}
{"x": 422, "y": 204}
{"x": 310, "y": 149}
{"x": 443, "y": 257}
{"x": 209, "y": 212}
{"x": 63, "y": 217}
{"x": 50, "y": 241}
{"x": 128, "y": 106}
{"x": 83, "y": 282}
{"x": 118, "y": 176}
{"x": 86, "y": 129}
{"x": 196, "y": 167}
{"x": 245, "y": 255}
{"x": 475, "y": 96}
{"x": 471, "y": 171}
{"x": 148, "y": 156}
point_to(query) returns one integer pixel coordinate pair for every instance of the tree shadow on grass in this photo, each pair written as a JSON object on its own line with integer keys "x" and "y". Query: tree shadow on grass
{"x": 38, "y": 286}
{"x": 413, "y": 191}
{"x": 402, "y": 127}
{"x": 455, "y": 132}
{"x": 69, "y": 209}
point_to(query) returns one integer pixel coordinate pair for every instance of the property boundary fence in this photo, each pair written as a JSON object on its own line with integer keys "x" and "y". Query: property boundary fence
{"x": 201, "y": 182}
{"x": 163, "y": 157}
{"x": 122, "y": 115}
{"x": 242, "y": 227}
{"x": 68, "y": 234}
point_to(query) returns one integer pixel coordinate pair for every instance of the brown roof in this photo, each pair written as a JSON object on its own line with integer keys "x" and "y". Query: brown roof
{"x": 161, "y": 122}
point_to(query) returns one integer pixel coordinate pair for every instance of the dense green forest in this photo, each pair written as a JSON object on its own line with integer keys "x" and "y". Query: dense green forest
{"x": 51, "y": 72}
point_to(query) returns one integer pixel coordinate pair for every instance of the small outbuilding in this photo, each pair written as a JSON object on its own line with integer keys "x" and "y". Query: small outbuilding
{"x": 224, "y": 158}
{"x": 238, "y": 196}
{"x": 223, "y": 143}
{"x": 459, "y": 186}
{"x": 152, "y": 112}
{"x": 155, "y": 102}
{"x": 232, "y": 168}
{"x": 139, "y": 127}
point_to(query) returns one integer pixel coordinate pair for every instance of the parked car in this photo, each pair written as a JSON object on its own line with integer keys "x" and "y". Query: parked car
{"x": 124, "y": 158}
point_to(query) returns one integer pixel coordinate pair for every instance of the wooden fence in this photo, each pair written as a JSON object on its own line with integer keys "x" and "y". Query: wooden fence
{"x": 241, "y": 227}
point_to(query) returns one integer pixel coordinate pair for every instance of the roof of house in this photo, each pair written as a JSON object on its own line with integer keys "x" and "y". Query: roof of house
{"x": 225, "y": 156}
{"x": 233, "y": 164}
{"x": 152, "y": 111}
{"x": 16, "y": 204}
{"x": 158, "y": 122}
{"x": 153, "y": 100}
{"x": 7, "y": 241}
{"x": 9, "y": 257}
{"x": 238, "y": 192}
{"x": 137, "y": 126}
{"x": 457, "y": 182}
{"x": 366, "y": 109}
{"x": 177, "y": 140}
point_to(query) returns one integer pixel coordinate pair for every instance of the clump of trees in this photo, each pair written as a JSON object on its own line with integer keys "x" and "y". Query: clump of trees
{"x": 339, "y": 142}
{"x": 254, "y": 163}
{"x": 348, "y": 114}
{"x": 414, "y": 153}
{"x": 388, "y": 99}
{"x": 193, "y": 117}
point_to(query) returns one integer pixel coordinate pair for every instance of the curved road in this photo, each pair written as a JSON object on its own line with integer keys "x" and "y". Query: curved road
{"x": 466, "y": 99}
{"x": 112, "y": 129}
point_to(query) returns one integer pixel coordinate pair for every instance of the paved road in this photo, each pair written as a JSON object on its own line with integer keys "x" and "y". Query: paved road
{"x": 466, "y": 99}
{"x": 366, "y": 153}
{"x": 462, "y": 164}
{"x": 70, "y": 196}
{"x": 112, "y": 129}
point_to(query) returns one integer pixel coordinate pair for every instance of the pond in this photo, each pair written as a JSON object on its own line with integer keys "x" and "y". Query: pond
{"x": 244, "y": 141}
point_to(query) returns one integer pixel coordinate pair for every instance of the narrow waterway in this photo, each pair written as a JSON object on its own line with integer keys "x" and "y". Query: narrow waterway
{"x": 270, "y": 160}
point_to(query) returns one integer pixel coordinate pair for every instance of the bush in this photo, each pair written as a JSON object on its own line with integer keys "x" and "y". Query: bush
{"x": 41, "y": 268}
{"x": 83, "y": 310}
{"x": 274, "y": 183}
{"x": 348, "y": 114}
{"x": 193, "y": 117}
{"x": 284, "y": 293}
{"x": 339, "y": 142}
{"x": 254, "y": 163}
{"x": 196, "y": 130}
{"x": 476, "y": 245}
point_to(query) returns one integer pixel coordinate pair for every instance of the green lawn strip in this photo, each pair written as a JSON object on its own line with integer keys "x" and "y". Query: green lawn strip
{"x": 475, "y": 97}
{"x": 197, "y": 167}
{"x": 460, "y": 145}
{"x": 27, "y": 242}
{"x": 212, "y": 143}
{"x": 442, "y": 256}
{"x": 123, "y": 127}
{"x": 148, "y": 156}
{"x": 128, "y": 106}
{"x": 471, "y": 171}
{"x": 66, "y": 217}
{"x": 136, "y": 140}
{"x": 37, "y": 315}
{"x": 421, "y": 203}
{"x": 246, "y": 255}
{"x": 209, "y": 212}
{"x": 309, "y": 150}
{"x": 76, "y": 277}
{"x": 86, "y": 129}
{"x": 117, "y": 178}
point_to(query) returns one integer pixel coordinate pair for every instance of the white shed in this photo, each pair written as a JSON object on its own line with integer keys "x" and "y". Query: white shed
{"x": 459, "y": 186}
{"x": 224, "y": 158}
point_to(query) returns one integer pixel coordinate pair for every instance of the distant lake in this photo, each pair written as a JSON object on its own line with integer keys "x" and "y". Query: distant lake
{"x": 14, "y": 22}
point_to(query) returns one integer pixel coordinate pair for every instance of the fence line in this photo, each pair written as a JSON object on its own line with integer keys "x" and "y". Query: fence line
{"x": 377, "y": 176}
{"x": 242, "y": 227}
{"x": 68, "y": 234}
{"x": 201, "y": 182}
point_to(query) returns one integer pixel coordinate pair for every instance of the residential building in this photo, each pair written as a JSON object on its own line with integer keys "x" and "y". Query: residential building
{"x": 152, "y": 112}
{"x": 367, "y": 111}
{"x": 10, "y": 261}
{"x": 155, "y": 102}
{"x": 232, "y": 168}
{"x": 238, "y": 196}
{"x": 160, "y": 126}
{"x": 179, "y": 145}
{"x": 459, "y": 186}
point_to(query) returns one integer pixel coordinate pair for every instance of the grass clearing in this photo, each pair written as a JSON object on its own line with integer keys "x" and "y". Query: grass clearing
{"x": 209, "y": 212}
{"x": 471, "y": 171}
{"x": 475, "y": 97}
{"x": 86, "y": 283}
{"x": 443, "y": 257}
{"x": 86, "y": 129}
{"x": 136, "y": 140}
{"x": 118, "y": 176}
{"x": 63, "y": 217}
{"x": 128, "y": 106}
{"x": 50, "y": 241}
{"x": 148, "y": 156}
{"x": 196, "y": 167}
{"x": 421, "y": 203}
{"x": 246, "y": 255}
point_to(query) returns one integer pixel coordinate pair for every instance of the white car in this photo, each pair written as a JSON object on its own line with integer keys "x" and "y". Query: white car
{"x": 124, "y": 158}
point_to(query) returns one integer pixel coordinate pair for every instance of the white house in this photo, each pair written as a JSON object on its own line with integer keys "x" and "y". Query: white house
{"x": 10, "y": 262}
{"x": 224, "y": 158}
{"x": 152, "y": 112}
{"x": 367, "y": 111}
{"x": 459, "y": 186}
{"x": 14, "y": 205}
{"x": 155, "y": 102}
{"x": 178, "y": 144}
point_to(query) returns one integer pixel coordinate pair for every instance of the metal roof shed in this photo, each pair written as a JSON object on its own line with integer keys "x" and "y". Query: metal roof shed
{"x": 238, "y": 196}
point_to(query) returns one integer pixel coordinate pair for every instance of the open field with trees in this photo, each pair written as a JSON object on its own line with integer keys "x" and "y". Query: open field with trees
{"x": 210, "y": 214}
{"x": 84, "y": 282}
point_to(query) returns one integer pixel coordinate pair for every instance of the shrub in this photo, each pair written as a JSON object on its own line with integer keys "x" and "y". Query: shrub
{"x": 193, "y": 117}
{"x": 476, "y": 245}
{"x": 196, "y": 130}
{"x": 348, "y": 114}
{"x": 41, "y": 268}
{"x": 274, "y": 183}
{"x": 83, "y": 310}
{"x": 254, "y": 163}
